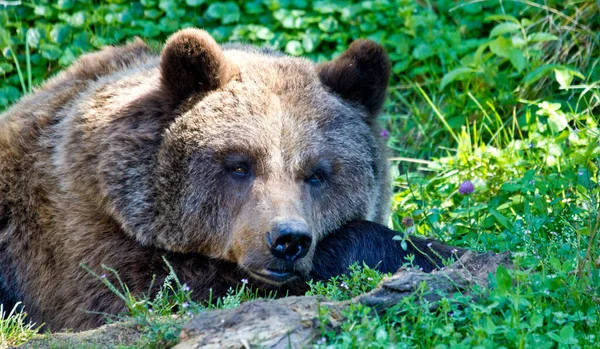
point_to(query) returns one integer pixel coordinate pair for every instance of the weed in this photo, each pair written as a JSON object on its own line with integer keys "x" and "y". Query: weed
{"x": 359, "y": 280}
{"x": 14, "y": 327}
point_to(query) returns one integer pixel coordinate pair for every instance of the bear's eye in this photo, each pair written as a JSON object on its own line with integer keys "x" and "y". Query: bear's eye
{"x": 240, "y": 170}
{"x": 316, "y": 178}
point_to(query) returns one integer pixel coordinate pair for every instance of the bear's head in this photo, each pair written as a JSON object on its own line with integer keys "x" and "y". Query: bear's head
{"x": 260, "y": 156}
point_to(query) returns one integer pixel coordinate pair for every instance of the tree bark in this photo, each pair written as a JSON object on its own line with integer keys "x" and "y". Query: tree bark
{"x": 293, "y": 322}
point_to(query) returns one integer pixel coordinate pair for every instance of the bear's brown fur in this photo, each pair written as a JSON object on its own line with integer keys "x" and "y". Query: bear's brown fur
{"x": 195, "y": 154}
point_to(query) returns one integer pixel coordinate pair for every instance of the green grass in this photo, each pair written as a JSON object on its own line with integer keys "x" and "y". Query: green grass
{"x": 159, "y": 317}
{"x": 504, "y": 94}
{"x": 15, "y": 329}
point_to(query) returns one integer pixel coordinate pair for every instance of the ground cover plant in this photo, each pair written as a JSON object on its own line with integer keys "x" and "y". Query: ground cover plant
{"x": 493, "y": 124}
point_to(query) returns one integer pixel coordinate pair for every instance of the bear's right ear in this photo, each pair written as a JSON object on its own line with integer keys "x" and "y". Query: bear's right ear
{"x": 193, "y": 62}
{"x": 360, "y": 75}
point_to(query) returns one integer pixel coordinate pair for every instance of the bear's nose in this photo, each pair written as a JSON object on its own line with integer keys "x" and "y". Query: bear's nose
{"x": 289, "y": 240}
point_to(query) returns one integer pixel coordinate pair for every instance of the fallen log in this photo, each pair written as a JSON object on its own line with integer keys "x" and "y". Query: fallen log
{"x": 292, "y": 322}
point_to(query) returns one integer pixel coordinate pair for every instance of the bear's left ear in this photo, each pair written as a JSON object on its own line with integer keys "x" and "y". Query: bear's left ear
{"x": 360, "y": 75}
{"x": 192, "y": 62}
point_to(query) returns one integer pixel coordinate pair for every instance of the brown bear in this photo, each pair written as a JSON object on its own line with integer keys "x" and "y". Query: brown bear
{"x": 233, "y": 162}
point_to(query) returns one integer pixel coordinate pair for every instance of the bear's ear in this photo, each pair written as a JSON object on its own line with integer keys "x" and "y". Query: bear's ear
{"x": 360, "y": 75}
{"x": 192, "y": 62}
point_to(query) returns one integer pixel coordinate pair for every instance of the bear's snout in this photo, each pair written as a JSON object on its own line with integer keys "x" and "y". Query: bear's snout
{"x": 289, "y": 240}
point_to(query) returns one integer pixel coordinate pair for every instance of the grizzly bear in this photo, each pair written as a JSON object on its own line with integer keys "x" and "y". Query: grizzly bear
{"x": 233, "y": 162}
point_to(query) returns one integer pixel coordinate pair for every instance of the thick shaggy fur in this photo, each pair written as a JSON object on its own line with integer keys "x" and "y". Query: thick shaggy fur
{"x": 192, "y": 154}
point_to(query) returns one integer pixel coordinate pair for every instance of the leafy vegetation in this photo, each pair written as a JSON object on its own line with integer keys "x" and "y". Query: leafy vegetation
{"x": 360, "y": 280}
{"x": 500, "y": 94}
{"x": 161, "y": 316}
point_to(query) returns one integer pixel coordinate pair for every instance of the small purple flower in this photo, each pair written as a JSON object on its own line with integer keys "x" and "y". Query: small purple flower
{"x": 344, "y": 285}
{"x": 466, "y": 187}
{"x": 190, "y": 314}
{"x": 185, "y": 288}
{"x": 429, "y": 244}
{"x": 103, "y": 276}
{"x": 384, "y": 133}
{"x": 185, "y": 305}
{"x": 530, "y": 145}
{"x": 244, "y": 281}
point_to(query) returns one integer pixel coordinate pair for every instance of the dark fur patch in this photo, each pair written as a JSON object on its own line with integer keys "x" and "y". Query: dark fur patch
{"x": 193, "y": 62}
{"x": 360, "y": 75}
{"x": 4, "y": 217}
{"x": 374, "y": 244}
{"x": 8, "y": 295}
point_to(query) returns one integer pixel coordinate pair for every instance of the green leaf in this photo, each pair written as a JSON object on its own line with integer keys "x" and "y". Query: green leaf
{"x": 538, "y": 73}
{"x": 309, "y": 42}
{"x": 501, "y": 17}
{"x": 194, "y": 3}
{"x": 65, "y": 4}
{"x": 228, "y": 12}
{"x": 381, "y": 334}
{"x": 6, "y": 68}
{"x": 501, "y": 47}
{"x": 404, "y": 245}
{"x": 541, "y": 37}
{"x": 328, "y": 25}
{"x": 9, "y": 94}
{"x": 232, "y": 13}
{"x": 503, "y": 279}
{"x": 423, "y": 51}
{"x": 567, "y": 335}
{"x": 50, "y": 52}
{"x": 557, "y": 122}
{"x": 265, "y": 33}
{"x": 216, "y": 10}
{"x": 517, "y": 59}
{"x": 504, "y": 28}
{"x": 501, "y": 219}
{"x": 33, "y": 37}
{"x": 325, "y": 6}
{"x": 564, "y": 76}
{"x": 60, "y": 33}
{"x": 510, "y": 186}
{"x": 78, "y": 19}
{"x": 537, "y": 321}
{"x": 43, "y": 11}
{"x": 400, "y": 66}
{"x": 456, "y": 74}
{"x": 67, "y": 58}
{"x": 294, "y": 48}
{"x": 152, "y": 13}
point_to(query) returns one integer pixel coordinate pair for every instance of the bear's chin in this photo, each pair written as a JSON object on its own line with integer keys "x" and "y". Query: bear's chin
{"x": 275, "y": 277}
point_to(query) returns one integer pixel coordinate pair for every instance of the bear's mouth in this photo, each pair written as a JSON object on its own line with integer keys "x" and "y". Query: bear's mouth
{"x": 274, "y": 276}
